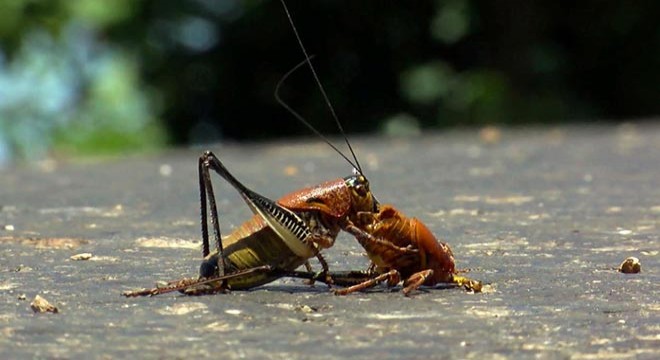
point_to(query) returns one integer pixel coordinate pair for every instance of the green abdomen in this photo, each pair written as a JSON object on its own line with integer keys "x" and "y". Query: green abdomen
{"x": 261, "y": 247}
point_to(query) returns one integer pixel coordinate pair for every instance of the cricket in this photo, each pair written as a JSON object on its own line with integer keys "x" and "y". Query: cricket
{"x": 284, "y": 235}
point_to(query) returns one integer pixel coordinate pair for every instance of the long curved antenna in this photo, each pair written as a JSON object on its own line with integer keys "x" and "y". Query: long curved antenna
{"x": 318, "y": 81}
{"x": 300, "y": 118}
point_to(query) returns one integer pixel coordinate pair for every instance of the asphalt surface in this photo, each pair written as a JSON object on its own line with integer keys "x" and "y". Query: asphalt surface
{"x": 542, "y": 215}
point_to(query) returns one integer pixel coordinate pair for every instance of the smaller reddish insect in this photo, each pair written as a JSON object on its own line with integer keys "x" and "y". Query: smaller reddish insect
{"x": 403, "y": 248}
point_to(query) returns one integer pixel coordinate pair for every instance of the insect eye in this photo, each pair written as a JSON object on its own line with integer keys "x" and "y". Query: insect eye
{"x": 361, "y": 190}
{"x": 359, "y": 185}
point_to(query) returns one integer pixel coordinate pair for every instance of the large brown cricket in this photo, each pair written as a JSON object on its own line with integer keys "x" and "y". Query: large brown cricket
{"x": 404, "y": 248}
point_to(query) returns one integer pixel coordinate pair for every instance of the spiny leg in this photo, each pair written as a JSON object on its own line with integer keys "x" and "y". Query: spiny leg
{"x": 218, "y": 283}
{"x": 393, "y": 277}
{"x": 191, "y": 286}
{"x": 311, "y": 279}
{"x": 326, "y": 270}
{"x": 319, "y": 241}
{"x": 340, "y": 278}
{"x": 416, "y": 280}
{"x": 313, "y": 276}
{"x": 206, "y": 190}
{"x": 308, "y": 267}
{"x": 201, "y": 171}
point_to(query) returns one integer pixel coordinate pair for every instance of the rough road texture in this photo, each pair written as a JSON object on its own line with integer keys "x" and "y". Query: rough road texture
{"x": 543, "y": 215}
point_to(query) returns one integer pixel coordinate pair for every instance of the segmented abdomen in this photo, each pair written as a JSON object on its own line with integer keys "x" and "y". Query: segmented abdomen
{"x": 255, "y": 244}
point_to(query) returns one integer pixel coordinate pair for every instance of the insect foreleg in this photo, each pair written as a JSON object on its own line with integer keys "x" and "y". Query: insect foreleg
{"x": 366, "y": 238}
{"x": 393, "y": 277}
{"x": 416, "y": 280}
{"x": 325, "y": 272}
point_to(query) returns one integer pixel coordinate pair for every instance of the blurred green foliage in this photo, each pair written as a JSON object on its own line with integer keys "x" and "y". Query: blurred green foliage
{"x": 89, "y": 76}
{"x": 65, "y": 89}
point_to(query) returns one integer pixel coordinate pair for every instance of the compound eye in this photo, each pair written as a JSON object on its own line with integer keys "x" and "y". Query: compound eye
{"x": 361, "y": 190}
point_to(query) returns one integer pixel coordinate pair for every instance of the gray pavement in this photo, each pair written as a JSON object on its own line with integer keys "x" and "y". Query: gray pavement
{"x": 543, "y": 215}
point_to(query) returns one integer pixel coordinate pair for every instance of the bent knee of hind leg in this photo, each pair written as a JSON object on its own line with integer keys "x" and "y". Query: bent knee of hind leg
{"x": 209, "y": 267}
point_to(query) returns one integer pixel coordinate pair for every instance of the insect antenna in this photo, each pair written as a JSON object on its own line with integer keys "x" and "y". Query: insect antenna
{"x": 322, "y": 89}
{"x": 302, "y": 119}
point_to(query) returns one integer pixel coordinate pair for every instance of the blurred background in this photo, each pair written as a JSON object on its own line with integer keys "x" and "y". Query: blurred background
{"x": 91, "y": 77}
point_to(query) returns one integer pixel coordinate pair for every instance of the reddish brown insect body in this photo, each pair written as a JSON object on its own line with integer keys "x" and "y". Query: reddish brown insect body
{"x": 401, "y": 247}
{"x": 408, "y": 233}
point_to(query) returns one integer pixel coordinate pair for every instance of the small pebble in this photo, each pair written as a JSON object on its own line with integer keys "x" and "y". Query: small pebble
{"x": 41, "y": 305}
{"x": 23, "y": 268}
{"x": 630, "y": 265}
{"x": 82, "y": 256}
{"x": 307, "y": 309}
